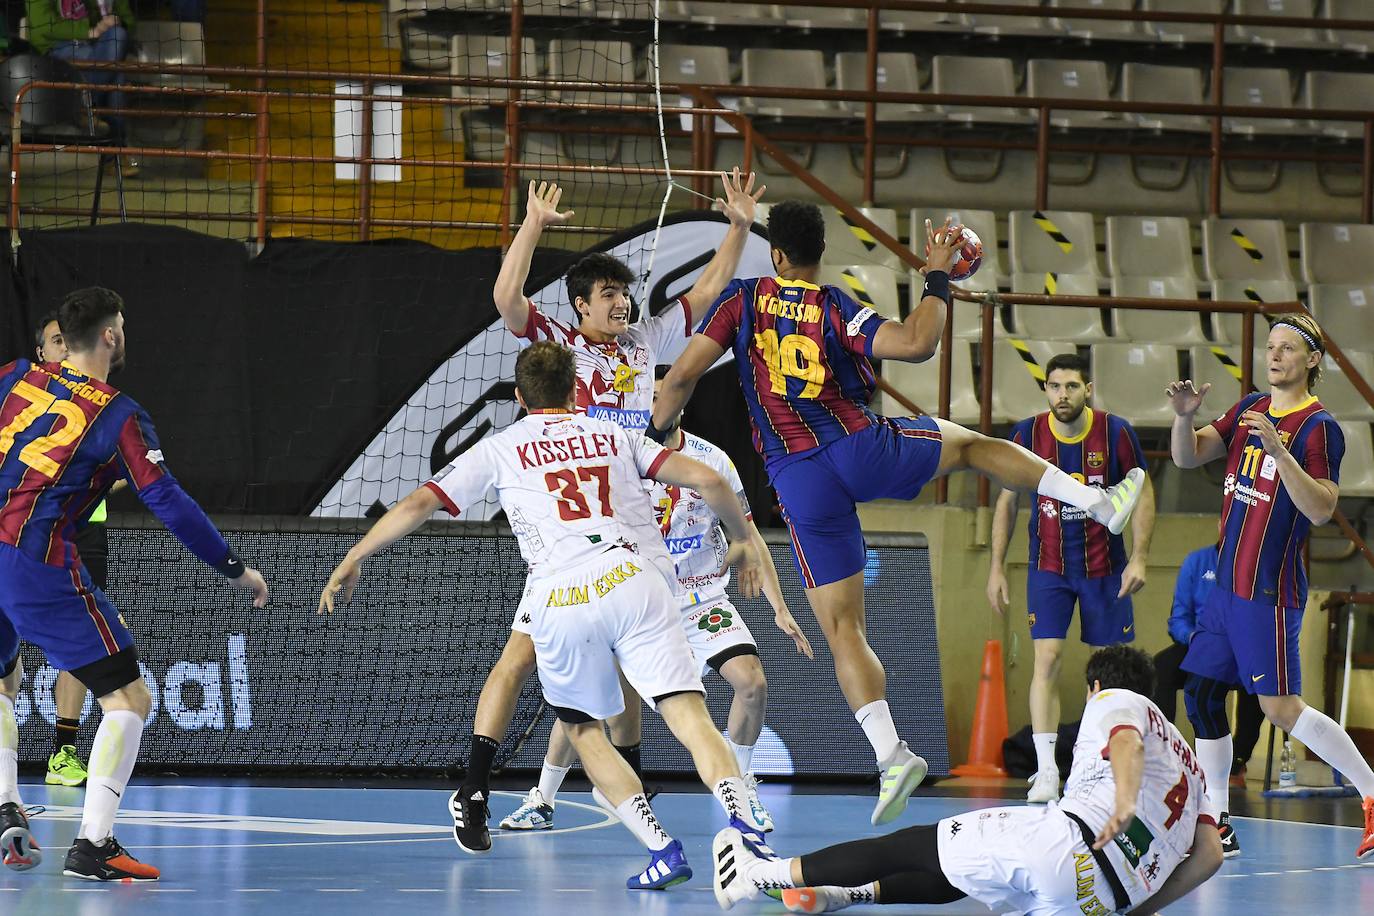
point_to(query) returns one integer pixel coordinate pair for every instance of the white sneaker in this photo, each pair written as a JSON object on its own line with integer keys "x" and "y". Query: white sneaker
{"x": 1044, "y": 787}
{"x": 731, "y": 860}
{"x": 899, "y": 779}
{"x": 1121, "y": 501}
{"x": 534, "y": 814}
{"x": 763, "y": 821}
{"x": 604, "y": 804}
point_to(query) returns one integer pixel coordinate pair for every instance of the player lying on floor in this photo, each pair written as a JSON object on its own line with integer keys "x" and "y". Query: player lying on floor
{"x": 1135, "y": 830}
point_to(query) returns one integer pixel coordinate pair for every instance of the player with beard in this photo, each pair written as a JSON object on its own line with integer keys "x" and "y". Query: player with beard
{"x": 1073, "y": 558}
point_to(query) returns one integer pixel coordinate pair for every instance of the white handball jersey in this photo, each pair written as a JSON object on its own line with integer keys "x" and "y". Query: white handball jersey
{"x": 692, "y": 532}
{"x": 1173, "y": 792}
{"x": 572, "y": 487}
{"x": 615, "y": 381}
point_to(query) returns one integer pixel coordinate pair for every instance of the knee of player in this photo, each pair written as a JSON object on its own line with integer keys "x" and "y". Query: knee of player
{"x": 1282, "y": 711}
{"x": 748, "y": 680}
{"x": 133, "y": 696}
{"x": 1048, "y": 660}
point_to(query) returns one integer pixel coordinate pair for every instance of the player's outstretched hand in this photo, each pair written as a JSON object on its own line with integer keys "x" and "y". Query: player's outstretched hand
{"x": 542, "y": 208}
{"x": 788, "y": 624}
{"x": 1121, "y": 819}
{"x": 340, "y": 586}
{"x": 748, "y": 568}
{"x": 942, "y": 245}
{"x": 1132, "y": 578}
{"x": 1186, "y": 399}
{"x": 1264, "y": 428}
{"x": 741, "y": 200}
{"x": 252, "y": 580}
{"x": 999, "y": 596}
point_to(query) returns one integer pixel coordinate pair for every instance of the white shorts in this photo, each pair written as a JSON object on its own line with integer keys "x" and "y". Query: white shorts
{"x": 585, "y": 620}
{"x": 713, "y": 627}
{"x": 1026, "y": 861}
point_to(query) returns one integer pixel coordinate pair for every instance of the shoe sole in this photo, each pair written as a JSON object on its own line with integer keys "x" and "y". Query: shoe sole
{"x": 890, "y": 808}
{"x": 1230, "y": 853}
{"x": 508, "y": 825}
{"x": 127, "y": 879}
{"x": 725, "y": 859}
{"x": 53, "y": 779}
{"x": 13, "y": 843}
{"x": 681, "y": 878}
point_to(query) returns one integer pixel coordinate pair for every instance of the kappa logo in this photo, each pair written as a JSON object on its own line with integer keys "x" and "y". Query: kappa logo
{"x": 1152, "y": 870}
{"x": 954, "y": 828}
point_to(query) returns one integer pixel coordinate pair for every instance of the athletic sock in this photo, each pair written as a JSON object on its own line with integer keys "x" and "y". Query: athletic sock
{"x": 876, "y": 720}
{"x": 64, "y": 733}
{"x": 744, "y": 755}
{"x": 9, "y": 753}
{"x": 1330, "y": 742}
{"x": 112, "y": 763}
{"x": 773, "y": 873}
{"x": 1044, "y": 752}
{"x": 480, "y": 760}
{"x": 551, "y": 780}
{"x": 639, "y": 819}
{"x": 1214, "y": 756}
{"x": 1058, "y": 485}
{"x": 733, "y": 797}
{"x": 631, "y": 754}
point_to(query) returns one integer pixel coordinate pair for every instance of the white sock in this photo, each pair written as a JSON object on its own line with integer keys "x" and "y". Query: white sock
{"x": 1044, "y": 752}
{"x": 9, "y": 754}
{"x": 876, "y": 720}
{"x": 731, "y": 794}
{"x": 1214, "y": 755}
{"x": 1058, "y": 485}
{"x": 639, "y": 819}
{"x": 112, "y": 763}
{"x": 551, "y": 780}
{"x": 771, "y": 873}
{"x": 1325, "y": 736}
{"x": 744, "y": 755}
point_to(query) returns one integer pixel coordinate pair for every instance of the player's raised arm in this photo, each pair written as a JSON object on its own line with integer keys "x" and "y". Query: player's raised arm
{"x": 739, "y": 204}
{"x": 682, "y": 471}
{"x": 400, "y": 520}
{"x": 916, "y": 339}
{"x": 701, "y": 354}
{"x": 1188, "y": 447}
{"x": 509, "y": 292}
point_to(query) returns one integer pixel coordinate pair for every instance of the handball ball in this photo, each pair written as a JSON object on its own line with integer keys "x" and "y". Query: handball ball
{"x": 970, "y": 256}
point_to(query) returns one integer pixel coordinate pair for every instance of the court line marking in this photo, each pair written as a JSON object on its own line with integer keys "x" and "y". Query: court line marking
{"x": 1279, "y": 820}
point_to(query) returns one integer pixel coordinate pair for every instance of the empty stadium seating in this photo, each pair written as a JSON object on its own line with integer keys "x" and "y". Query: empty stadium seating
{"x": 1134, "y": 386}
{"x": 1017, "y": 383}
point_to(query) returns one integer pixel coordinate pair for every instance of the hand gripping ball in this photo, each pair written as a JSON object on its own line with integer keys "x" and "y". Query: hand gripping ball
{"x": 970, "y": 256}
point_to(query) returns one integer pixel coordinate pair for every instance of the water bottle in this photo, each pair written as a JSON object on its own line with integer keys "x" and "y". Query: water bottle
{"x": 1288, "y": 767}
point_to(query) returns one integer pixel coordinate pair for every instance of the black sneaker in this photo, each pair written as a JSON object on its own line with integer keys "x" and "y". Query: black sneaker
{"x": 470, "y": 813}
{"x": 17, "y": 848}
{"x": 108, "y": 862}
{"x": 1230, "y": 846}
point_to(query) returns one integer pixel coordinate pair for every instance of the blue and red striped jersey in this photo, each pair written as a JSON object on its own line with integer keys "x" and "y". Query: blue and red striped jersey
{"x": 802, "y": 351}
{"x": 1063, "y": 539}
{"x": 1262, "y": 531}
{"x": 65, "y": 438}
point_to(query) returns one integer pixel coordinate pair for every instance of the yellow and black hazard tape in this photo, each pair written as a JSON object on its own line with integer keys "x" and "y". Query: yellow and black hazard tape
{"x": 1053, "y": 231}
{"x": 1028, "y": 360}
{"x": 1051, "y": 283}
{"x": 857, "y": 287}
{"x": 1246, "y": 245}
{"x": 1227, "y": 361}
{"x": 863, "y": 235}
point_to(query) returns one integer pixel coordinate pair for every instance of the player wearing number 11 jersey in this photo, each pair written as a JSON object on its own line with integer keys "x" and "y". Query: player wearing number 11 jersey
{"x": 802, "y": 352}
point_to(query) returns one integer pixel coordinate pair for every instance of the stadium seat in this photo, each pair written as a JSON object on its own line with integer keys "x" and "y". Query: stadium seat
{"x": 1154, "y": 83}
{"x": 896, "y": 73}
{"x": 595, "y": 61}
{"x": 1261, "y": 88}
{"x": 1361, "y": 43}
{"x": 1357, "y": 468}
{"x": 792, "y": 67}
{"x": 714, "y": 14}
{"x": 1157, "y": 326}
{"x": 849, "y": 243}
{"x": 1057, "y": 322}
{"x": 1084, "y": 80}
{"x": 1018, "y": 388}
{"x": 1339, "y": 395}
{"x": 907, "y": 22}
{"x": 706, "y": 65}
{"x": 1134, "y": 388}
{"x": 1274, "y": 37}
{"x": 798, "y": 16}
{"x": 1063, "y": 241}
{"x": 1336, "y": 253}
{"x": 1149, "y": 246}
{"x": 983, "y": 222}
{"x": 621, "y": 10}
{"x": 1339, "y": 90}
{"x": 1227, "y": 325}
{"x": 1100, "y": 29}
{"x": 977, "y": 76}
{"x": 1245, "y": 249}
{"x": 1346, "y": 314}
{"x": 1030, "y": 26}
{"x": 1182, "y": 32}
{"x": 920, "y": 382}
{"x": 1219, "y": 367}
{"x": 875, "y": 287}
{"x": 488, "y": 56}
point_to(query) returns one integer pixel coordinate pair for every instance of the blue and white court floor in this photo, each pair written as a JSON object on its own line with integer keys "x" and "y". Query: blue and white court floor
{"x": 250, "y": 849}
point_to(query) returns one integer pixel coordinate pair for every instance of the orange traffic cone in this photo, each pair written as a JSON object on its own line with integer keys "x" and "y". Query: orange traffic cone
{"x": 989, "y": 718}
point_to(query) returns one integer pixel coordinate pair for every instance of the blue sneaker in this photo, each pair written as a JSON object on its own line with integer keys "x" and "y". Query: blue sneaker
{"x": 534, "y": 814}
{"x": 668, "y": 867}
{"x": 753, "y": 839}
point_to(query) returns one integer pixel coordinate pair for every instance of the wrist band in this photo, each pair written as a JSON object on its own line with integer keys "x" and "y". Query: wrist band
{"x": 231, "y": 567}
{"x": 937, "y": 284}
{"x": 656, "y": 434}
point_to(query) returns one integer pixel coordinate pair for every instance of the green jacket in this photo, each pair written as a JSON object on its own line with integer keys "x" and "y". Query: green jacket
{"x": 47, "y": 27}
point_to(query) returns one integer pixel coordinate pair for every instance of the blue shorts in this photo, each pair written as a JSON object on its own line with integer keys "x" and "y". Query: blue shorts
{"x": 58, "y": 610}
{"x": 1104, "y": 619}
{"x": 1249, "y": 643}
{"x": 818, "y": 490}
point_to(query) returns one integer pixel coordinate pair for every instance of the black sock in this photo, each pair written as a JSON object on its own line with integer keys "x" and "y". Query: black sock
{"x": 480, "y": 761}
{"x": 64, "y": 733}
{"x": 631, "y": 754}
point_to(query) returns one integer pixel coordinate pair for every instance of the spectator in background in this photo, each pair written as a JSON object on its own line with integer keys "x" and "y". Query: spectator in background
{"x": 86, "y": 30}
{"x": 1195, "y": 579}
